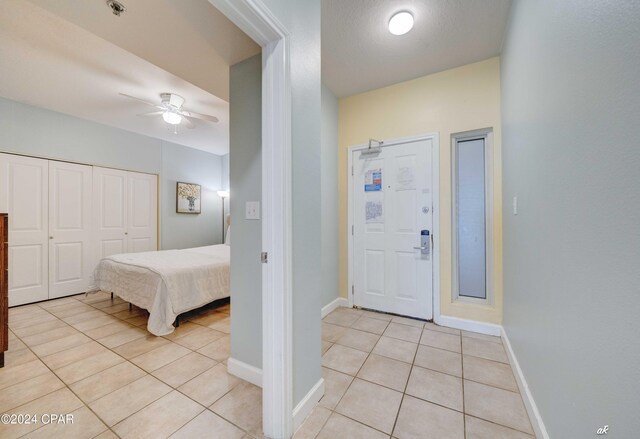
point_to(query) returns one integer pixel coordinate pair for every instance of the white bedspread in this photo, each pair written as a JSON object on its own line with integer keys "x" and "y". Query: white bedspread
{"x": 167, "y": 283}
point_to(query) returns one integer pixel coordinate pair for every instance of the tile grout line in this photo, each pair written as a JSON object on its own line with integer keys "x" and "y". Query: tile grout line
{"x": 464, "y": 410}
{"x": 85, "y": 404}
{"x": 65, "y": 386}
{"x": 356, "y": 377}
{"x": 351, "y": 383}
{"x": 406, "y": 385}
{"x": 205, "y": 408}
{"x": 413, "y": 365}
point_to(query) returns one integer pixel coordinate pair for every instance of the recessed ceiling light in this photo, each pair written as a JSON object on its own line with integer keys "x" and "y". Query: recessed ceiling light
{"x": 401, "y": 23}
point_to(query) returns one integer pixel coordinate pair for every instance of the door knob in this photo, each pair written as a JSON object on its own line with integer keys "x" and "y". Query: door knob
{"x": 50, "y": 237}
{"x": 126, "y": 233}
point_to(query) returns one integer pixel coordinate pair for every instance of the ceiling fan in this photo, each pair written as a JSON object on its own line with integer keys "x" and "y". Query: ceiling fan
{"x": 171, "y": 110}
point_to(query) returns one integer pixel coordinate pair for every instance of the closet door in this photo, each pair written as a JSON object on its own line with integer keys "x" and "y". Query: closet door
{"x": 110, "y": 193}
{"x": 70, "y": 243}
{"x": 23, "y": 194}
{"x": 142, "y": 212}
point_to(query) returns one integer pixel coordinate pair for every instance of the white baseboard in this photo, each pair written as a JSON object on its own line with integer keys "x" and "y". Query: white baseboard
{"x": 469, "y": 325}
{"x": 245, "y": 371}
{"x": 340, "y": 301}
{"x": 527, "y": 397}
{"x": 307, "y": 404}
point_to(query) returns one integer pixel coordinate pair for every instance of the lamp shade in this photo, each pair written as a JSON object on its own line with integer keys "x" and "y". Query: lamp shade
{"x": 223, "y": 194}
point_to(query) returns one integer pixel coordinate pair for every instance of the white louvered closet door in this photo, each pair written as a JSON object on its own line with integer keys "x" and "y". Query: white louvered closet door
{"x": 70, "y": 226}
{"x": 24, "y": 195}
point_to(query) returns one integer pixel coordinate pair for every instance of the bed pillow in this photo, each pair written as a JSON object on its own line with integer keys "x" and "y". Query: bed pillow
{"x": 227, "y": 239}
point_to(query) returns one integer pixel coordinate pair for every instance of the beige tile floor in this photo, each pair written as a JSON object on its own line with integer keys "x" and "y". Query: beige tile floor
{"x": 93, "y": 358}
{"x": 394, "y": 377}
{"x": 385, "y": 377}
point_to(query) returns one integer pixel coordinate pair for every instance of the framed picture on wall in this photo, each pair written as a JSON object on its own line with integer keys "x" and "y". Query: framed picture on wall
{"x": 188, "y": 198}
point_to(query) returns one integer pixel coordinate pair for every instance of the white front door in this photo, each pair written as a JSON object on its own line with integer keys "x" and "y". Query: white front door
{"x": 23, "y": 195}
{"x": 70, "y": 241}
{"x": 392, "y": 209}
{"x": 142, "y": 212}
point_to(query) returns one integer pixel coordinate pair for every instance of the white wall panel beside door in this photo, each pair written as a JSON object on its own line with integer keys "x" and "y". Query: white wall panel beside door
{"x": 23, "y": 194}
{"x": 70, "y": 226}
{"x": 142, "y": 212}
{"x": 110, "y": 197}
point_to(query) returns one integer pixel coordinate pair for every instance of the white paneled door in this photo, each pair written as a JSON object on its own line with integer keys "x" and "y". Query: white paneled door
{"x": 24, "y": 195}
{"x": 125, "y": 212}
{"x": 392, "y": 214}
{"x": 110, "y": 195}
{"x": 64, "y": 217}
{"x": 142, "y": 218}
{"x": 70, "y": 217}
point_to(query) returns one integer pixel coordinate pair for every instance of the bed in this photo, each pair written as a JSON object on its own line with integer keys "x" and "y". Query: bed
{"x": 167, "y": 283}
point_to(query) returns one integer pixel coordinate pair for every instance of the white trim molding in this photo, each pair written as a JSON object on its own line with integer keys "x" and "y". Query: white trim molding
{"x": 334, "y": 304}
{"x": 485, "y": 134}
{"x": 277, "y": 318}
{"x": 467, "y": 325}
{"x": 257, "y": 21}
{"x": 532, "y": 409}
{"x": 245, "y": 371}
{"x": 307, "y": 404}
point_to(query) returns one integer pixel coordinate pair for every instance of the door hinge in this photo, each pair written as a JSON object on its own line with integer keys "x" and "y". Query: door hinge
{"x": 352, "y": 170}
{"x": 353, "y": 289}
{"x": 352, "y": 229}
{"x": 264, "y": 257}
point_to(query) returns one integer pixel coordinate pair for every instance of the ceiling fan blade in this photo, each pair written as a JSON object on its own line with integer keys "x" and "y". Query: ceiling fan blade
{"x": 151, "y": 113}
{"x": 140, "y": 100}
{"x": 201, "y": 116}
{"x": 187, "y": 122}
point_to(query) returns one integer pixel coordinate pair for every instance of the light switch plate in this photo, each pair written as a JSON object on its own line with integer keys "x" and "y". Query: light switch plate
{"x": 252, "y": 210}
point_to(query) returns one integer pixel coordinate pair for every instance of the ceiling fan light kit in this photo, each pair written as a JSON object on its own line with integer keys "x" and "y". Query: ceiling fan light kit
{"x": 171, "y": 117}
{"x": 172, "y": 111}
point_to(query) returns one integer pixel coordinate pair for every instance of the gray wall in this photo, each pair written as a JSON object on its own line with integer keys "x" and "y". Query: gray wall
{"x": 329, "y": 166}
{"x": 302, "y": 20}
{"x": 179, "y": 230}
{"x": 571, "y": 112}
{"x": 245, "y": 162}
{"x": 225, "y": 172}
{"x": 29, "y": 130}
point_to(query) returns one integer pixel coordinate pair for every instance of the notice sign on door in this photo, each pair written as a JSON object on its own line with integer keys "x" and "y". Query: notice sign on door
{"x": 373, "y": 180}
{"x": 373, "y": 208}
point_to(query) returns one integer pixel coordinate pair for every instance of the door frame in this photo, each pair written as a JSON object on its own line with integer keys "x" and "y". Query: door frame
{"x": 257, "y": 21}
{"x": 435, "y": 211}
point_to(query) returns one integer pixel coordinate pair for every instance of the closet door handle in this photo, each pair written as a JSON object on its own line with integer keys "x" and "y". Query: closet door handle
{"x": 50, "y": 237}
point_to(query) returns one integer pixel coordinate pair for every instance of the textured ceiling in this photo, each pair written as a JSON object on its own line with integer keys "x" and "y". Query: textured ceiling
{"x": 188, "y": 38}
{"x": 50, "y": 62}
{"x": 359, "y": 53}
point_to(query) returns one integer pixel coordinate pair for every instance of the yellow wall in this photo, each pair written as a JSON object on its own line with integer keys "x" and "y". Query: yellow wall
{"x": 457, "y": 100}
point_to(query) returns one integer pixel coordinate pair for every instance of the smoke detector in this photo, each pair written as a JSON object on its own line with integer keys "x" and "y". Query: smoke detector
{"x": 116, "y": 7}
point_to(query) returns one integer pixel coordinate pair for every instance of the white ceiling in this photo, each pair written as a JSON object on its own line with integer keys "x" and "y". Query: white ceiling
{"x": 50, "y": 62}
{"x": 360, "y": 54}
